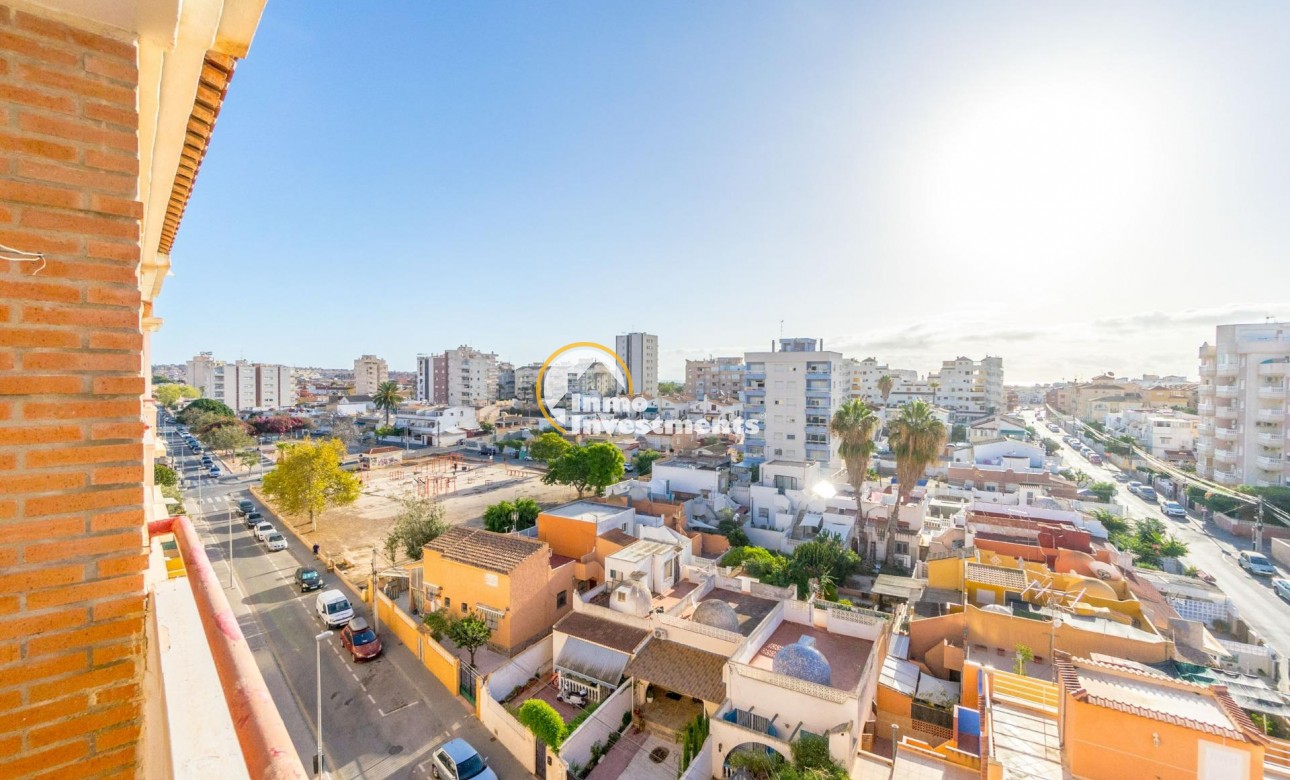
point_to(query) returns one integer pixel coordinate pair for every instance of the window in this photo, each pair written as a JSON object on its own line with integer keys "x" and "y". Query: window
{"x": 902, "y": 548}
{"x": 667, "y": 569}
{"x": 613, "y": 574}
{"x": 447, "y": 602}
{"x": 491, "y": 619}
{"x": 463, "y": 607}
{"x": 561, "y": 599}
{"x": 622, "y": 595}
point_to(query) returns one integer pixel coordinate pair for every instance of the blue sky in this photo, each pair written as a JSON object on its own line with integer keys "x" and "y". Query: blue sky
{"x": 1080, "y": 188}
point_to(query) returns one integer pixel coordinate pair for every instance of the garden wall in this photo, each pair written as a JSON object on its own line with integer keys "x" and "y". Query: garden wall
{"x": 508, "y": 731}
{"x": 597, "y": 727}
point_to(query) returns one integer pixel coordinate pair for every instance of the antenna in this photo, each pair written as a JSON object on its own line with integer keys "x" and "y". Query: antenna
{"x": 781, "y": 330}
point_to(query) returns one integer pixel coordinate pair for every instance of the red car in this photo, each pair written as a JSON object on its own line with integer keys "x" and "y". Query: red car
{"x": 360, "y": 640}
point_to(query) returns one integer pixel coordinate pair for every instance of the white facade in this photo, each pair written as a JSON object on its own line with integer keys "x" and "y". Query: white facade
{"x": 640, "y": 352}
{"x": 864, "y": 383}
{"x": 463, "y": 376}
{"x": 1156, "y": 431}
{"x": 526, "y": 383}
{"x": 1243, "y": 406}
{"x": 438, "y": 426}
{"x": 369, "y": 372}
{"x": 793, "y": 392}
{"x": 970, "y": 388}
{"x": 243, "y": 386}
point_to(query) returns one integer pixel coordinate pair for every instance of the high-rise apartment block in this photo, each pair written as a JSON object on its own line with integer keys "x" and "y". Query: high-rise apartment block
{"x": 241, "y": 385}
{"x": 526, "y": 383}
{"x": 505, "y": 381}
{"x": 369, "y": 372}
{"x": 640, "y": 352}
{"x": 721, "y": 377}
{"x": 459, "y": 377}
{"x": 866, "y": 376}
{"x": 1243, "y": 405}
{"x": 793, "y": 392}
{"x": 970, "y": 388}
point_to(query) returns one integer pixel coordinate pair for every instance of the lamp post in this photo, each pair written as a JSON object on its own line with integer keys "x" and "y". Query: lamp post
{"x": 895, "y": 739}
{"x": 318, "y": 759}
{"x": 228, "y": 507}
{"x": 376, "y": 607}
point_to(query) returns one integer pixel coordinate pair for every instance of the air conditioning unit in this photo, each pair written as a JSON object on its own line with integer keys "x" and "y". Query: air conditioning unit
{"x": 902, "y": 561}
{"x": 660, "y": 633}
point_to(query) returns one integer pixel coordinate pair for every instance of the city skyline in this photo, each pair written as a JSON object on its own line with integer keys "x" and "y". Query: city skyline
{"x": 1027, "y": 182}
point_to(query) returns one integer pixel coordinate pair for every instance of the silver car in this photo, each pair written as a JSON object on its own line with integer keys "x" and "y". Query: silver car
{"x": 457, "y": 760}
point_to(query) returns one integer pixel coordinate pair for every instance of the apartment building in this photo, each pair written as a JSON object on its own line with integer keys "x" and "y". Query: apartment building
{"x": 369, "y": 372}
{"x": 969, "y": 388}
{"x": 640, "y": 352}
{"x": 1243, "y": 405}
{"x": 463, "y": 376}
{"x": 526, "y": 383}
{"x": 1165, "y": 434}
{"x": 865, "y": 375}
{"x": 793, "y": 391}
{"x": 505, "y": 381}
{"x": 719, "y": 377}
{"x": 243, "y": 386}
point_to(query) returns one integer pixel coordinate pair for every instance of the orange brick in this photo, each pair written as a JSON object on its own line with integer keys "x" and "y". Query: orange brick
{"x": 123, "y": 564}
{"x": 114, "y": 296}
{"x": 118, "y": 385}
{"x": 50, "y": 55}
{"x": 94, "y": 634}
{"x": 122, "y": 430}
{"x": 44, "y": 577}
{"x": 123, "y": 118}
{"x": 83, "y": 361}
{"x": 9, "y": 654}
{"x": 39, "y": 434}
{"x": 127, "y": 341}
{"x": 95, "y": 678}
{"x": 10, "y": 700}
{"x": 27, "y": 623}
{"x": 128, "y": 605}
{"x": 54, "y": 757}
{"x": 31, "y": 97}
{"x": 55, "y": 666}
{"x": 125, "y": 253}
{"x": 118, "y": 183}
{"x": 126, "y": 692}
{"x": 113, "y": 68}
{"x": 9, "y": 746}
{"x": 93, "y": 271}
{"x": 50, "y": 245}
{"x": 77, "y": 85}
{"x": 40, "y": 195}
{"x": 36, "y": 337}
{"x": 47, "y": 528}
{"x": 15, "y": 720}
{"x": 8, "y": 605}
{"x": 81, "y": 223}
{"x": 6, "y": 361}
{"x": 94, "y": 453}
{"x": 92, "y": 133}
{"x": 37, "y": 147}
{"x": 42, "y": 291}
{"x": 73, "y": 315}
{"x": 115, "y": 475}
{"x": 8, "y": 510}
{"x": 79, "y": 726}
{"x": 93, "y": 499}
{"x": 95, "y": 766}
{"x": 61, "y": 32}
{"x": 110, "y": 161}
{"x": 41, "y": 385}
{"x": 86, "y": 591}
{"x": 27, "y": 482}
{"x": 116, "y": 737}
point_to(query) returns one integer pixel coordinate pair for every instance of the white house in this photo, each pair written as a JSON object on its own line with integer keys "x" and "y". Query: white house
{"x": 995, "y": 426}
{"x": 438, "y": 426}
{"x": 693, "y": 475}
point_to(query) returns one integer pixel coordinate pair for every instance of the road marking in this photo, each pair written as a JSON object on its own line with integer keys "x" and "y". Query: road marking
{"x": 385, "y": 714}
{"x": 369, "y": 698}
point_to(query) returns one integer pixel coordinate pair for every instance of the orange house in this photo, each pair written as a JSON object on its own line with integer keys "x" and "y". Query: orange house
{"x": 1124, "y": 721}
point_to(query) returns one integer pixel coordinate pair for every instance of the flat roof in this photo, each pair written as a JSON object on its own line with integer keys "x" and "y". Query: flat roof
{"x": 751, "y": 610}
{"x": 641, "y": 549}
{"x": 846, "y": 655}
{"x": 588, "y": 511}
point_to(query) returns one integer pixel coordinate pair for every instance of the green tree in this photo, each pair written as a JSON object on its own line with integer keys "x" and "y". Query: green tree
{"x": 549, "y": 447}
{"x": 670, "y": 388}
{"x": 164, "y": 475}
{"x": 500, "y": 517}
{"x": 419, "y": 522}
{"x": 644, "y": 461}
{"x": 855, "y": 424}
{"x": 917, "y": 438}
{"x": 346, "y": 431}
{"x": 158, "y": 379}
{"x": 168, "y": 395}
{"x": 592, "y": 467}
{"x": 1024, "y": 655}
{"x": 885, "y": 383}
{"x": 958, "y": 432}
{"x": 309, "y": 479}
{"x": 541, "y": 718}
{"x": 470, "y": 633}
{"x": 821, "y": 558}
{"x": 528, "y": 510}
{"x": 1051, "y": 447}
{"x": 487, "y": 427}
{"x": 250, "y": 458}
{"x": 756, "y": 763}
{"x": 387, "y": 399}
{"x": 226, "y": 438}
{"x": 202, "y": 405}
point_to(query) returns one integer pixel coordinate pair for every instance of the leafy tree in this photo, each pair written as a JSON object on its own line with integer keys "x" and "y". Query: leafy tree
{"x": 670, "y": 388}
{"x": 592, "y": 467}
{"x": 529, "y": 510}
{"x": 309, "y": 478}
{"x": 812, "y": 752}
{"x": 958, "y": 432}
{"x": 278, "y": 424}
{"x": 201, "y": 405}
{"x": 438, "y": 622}
{"x": 158, "y": 379}
{"x": 389, "y": 430}
{"x": 542, "y": 719}
{"x": 164, "y": 475}
{"x": 1104, "y": 491}
{"x": 644, "y": 461}
{"x": 387, "y": 398}
{"x": 1024, "y": 655}
{"x": 855, "y": 424}
{"x": 1113, "y": 523}
{"x": 756, "y": 763}
{"x": 885, "y": 383}
{"x": 470, "y": 633}
{"x": 487, "y": 427}
{"x": 419, "y": 522}
{"x": 346, "y": 431}
{"x": 549, "y": 447}
{"x": 226, "y": 438}
{"x": 917, "y": 437}
{"x": 500, "y": 517}
{"x": 822, "y": 557}
{"x": 168, "y": 395}
{"x": 1051, "y": 447}
{"x": 249, "y": 458}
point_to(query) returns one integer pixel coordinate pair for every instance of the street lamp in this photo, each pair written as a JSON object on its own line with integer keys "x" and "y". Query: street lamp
{"x": 318, "y": 759}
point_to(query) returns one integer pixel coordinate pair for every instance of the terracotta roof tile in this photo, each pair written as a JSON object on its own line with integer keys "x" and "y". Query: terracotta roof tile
{"x": 485, "y": 549}
{"x": 680, "y": 668}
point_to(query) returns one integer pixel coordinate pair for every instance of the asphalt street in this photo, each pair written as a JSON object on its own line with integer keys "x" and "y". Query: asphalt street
{"x": 380, "y": 718}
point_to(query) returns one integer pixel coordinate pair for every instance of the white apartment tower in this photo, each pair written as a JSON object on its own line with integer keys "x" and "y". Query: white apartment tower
{"x": 793, "y": 392}
{"x": 459, "y": 377}
{"x": 864, "y": 382}
{"x": 241, "y": 385}
{"x": 1243, "y": 406}
{"x": 640, "y": 352}
{"x": 369, "y": 372}
{"x": 970, "y": 388}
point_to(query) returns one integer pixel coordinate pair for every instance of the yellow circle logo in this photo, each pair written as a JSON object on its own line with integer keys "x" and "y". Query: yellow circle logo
{"x": 583, "y": 368}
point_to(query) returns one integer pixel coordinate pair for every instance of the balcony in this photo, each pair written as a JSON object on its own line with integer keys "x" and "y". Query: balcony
{"x": 1225, "y": 456}
{"x": 1271, "y": 439}
{"x": 1227, "y": 477}
{"x": 1272, "y": 415}
{"x": 1205, "y": 408}
{"x": 1225, "y": 412}
{"x": 1280, "y": 368}
{"x": 1226, "y": 369}
{"x": 1270, "y": 463}
{"x": 1206, "y": 429}
{"x": 1227, "y": 391}
{"x": 1205, "y": 390}
{"x": 1207, "y": 370}
{"x": 1226, "y": 434}
{"x": 1204, "y": 448}
{"x": 1272, "y": 391}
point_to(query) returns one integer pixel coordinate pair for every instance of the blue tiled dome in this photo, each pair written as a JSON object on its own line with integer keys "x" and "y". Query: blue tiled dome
{"x": 803, "y": 661}
{"x": 717, "y": 614}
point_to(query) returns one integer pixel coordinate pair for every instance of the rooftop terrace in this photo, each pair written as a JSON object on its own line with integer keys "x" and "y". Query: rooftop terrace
{"x": 846, "y": 655}
{"x": 589, "y": 511}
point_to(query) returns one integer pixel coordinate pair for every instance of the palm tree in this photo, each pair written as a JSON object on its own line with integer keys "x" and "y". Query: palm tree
{"x": 885, "y": 383}
{"x": 388, "y": 398}
{"x": 917, "y": 438}
{"x": 854, "y": 423}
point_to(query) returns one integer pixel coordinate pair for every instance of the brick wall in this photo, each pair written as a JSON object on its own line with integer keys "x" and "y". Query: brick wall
{"x": 71, "y": 451}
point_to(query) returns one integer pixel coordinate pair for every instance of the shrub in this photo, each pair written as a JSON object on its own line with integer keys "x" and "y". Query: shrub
{"x": 164, "y": 475}
{"x": 542, "y": 719}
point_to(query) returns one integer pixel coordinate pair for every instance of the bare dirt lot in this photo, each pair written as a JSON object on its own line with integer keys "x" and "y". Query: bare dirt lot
{"x": 351, "y": 532}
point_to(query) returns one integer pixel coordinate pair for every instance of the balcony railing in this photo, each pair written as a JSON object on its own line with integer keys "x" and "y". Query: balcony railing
{"x": 1207, "y": 370}
{"x": 1227, "y": 391}
{"x": 1226, "y": 369}
{"x": 1272, "y": 439}
{"x": 1269, "y": 463}
{"x": 1272, "y": 391}
{"x": 1205, "y": 408}
{"x": 1226, "y": 477}
{"x": 1225, "y": 456}
{"x": 1225, "y": 412}
{"x": 1226, "y": 434}
{"x": 1204, "y": 448}
{"x": 1280, "y": 368}
{"x": 1272, "y": 415}
{"x": 266, "y": 746}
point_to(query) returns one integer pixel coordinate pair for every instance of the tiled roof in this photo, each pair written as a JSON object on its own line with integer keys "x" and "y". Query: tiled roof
{"x": 602, "y": 632}
{"x": 1210, "y": 710}
{"x": 618, "y": 537}
{"x": 680, "y": 668}
{"x": 485, "y": 549}
{"x": 1013, "y": 579}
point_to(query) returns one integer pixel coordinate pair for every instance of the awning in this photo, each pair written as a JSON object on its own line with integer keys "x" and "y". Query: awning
{"x": 899, "y": 675}
{"x": 906, "y": 588}
{"x": 592, "y": 662}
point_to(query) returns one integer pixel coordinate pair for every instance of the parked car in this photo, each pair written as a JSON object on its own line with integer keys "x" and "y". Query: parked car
{"x": 1133, "y": 486}
{"x": 215, "y": 472}
{"x": 308, "y": 578}
{"x": 1173, "y": 509}
{"x": 360, "y": 640}
{"x": 1256, "y": 564}
{"x": 1120, "y": 476}
{"x": 333, "y": 608}
{"x": 275, "y": 542}
{"x": 1147, "y": 493}
{"x": 458, "y": 760}
{"x": 1282, "y": 587}
{"x": 254, "y": 518}
{"x": 263, "y": 529}
{"x": 245, "y": 506}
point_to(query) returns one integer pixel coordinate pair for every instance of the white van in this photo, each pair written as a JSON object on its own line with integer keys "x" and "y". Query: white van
{"x": 333, "y": 608}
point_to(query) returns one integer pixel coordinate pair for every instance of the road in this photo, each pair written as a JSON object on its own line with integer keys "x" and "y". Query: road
{"x": 380, "y": 718}
{"x": 1210, "y": 550}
